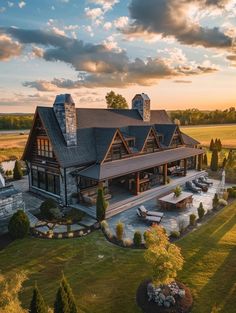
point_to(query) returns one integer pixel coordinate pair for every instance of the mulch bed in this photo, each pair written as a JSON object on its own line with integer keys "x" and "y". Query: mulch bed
{"x": 5, "y": 240}
{"x": 183, "y": 305}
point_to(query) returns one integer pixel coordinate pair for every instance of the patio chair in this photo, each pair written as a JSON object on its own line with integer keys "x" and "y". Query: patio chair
{"x": 149, "y": 218}
{"x": 144, "y": 211}
{"x": 189, "y": 185}
{"x": 205, "y": 180}
{"x": 201, "y": 185}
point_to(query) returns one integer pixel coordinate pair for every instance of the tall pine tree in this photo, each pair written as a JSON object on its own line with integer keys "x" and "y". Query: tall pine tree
{"x": 205, "y": 161}
{"x": 37, "y": 304}
{"x": 212, "y": 145}
{"x": 214, "y": 160}
{"x": 65, "y": 301}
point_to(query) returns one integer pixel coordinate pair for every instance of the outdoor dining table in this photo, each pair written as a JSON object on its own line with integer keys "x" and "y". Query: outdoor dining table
{"x": 170, "y": 201}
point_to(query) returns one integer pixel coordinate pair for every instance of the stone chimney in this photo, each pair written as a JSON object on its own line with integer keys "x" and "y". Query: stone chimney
{"x": 64, "y": 108}
{"x": 141, "y": 102}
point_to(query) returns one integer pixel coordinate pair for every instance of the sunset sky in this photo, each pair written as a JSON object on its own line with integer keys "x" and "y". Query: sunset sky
{"x": 181, "y": 53}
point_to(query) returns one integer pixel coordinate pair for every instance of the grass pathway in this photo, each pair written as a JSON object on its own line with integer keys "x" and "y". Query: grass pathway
{"x": 104, "y": 277}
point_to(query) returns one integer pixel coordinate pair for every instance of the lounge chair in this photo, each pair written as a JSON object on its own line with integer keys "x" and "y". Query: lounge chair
{"x": 149, "y": 218}
{"x": 144, "y": 211}
{"x": 205, "y": 180}
{"x": 201, "y": 185}
{"x": 189, "y": 185}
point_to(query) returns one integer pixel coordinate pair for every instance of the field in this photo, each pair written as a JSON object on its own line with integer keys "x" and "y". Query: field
{"x": 104, "y": 277}
{"x": 11, "y": 146}
{"x": 204, "y": 134}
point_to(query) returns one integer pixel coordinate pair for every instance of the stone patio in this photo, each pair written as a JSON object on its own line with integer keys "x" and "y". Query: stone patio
{"x": 170, "y": 220}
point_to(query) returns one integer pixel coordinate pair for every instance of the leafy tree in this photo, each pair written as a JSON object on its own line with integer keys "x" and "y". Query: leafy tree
{"x": 116, "y": 101}
{"x": 17, "y": 171}
{"x": 65, "y": 302}
{"x": 19, "y": 225}
{"x": 164, "y": 258}
{"x": 37, "y": 304}
{"x": 119, "y": 231}
{"x": 9, "y": 291}
{"x": 137, "y": 239}
{"x": 101, "y": 205}
{"x": 214, "y": 160}
{"x": 200, "y": 211}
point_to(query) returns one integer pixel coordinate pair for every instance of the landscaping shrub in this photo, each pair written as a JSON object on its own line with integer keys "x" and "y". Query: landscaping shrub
{"x": 137, "y": 240}
{"x": 127, "y": 242}
{"x": 49, "y": 210}
{"x": 101, "y": 205}
{"x": 104, "y": 225}
{"x": 19, "y": 225}
{"x": 232, "y": 192}
{"x": 225, "y": 195}
{"x": 215, "y": 201}
{"x": 17, "y": 171}
{"x": 74, "y": 215}
{"x": 119, "y": 231}
{"x": 201, "y": 211}
{"x": 181, "y": 225}
{"x": 214, "y": 160}
{"x": 192, "y": 219}
{"x": 175, "y": 234}
{"x": 37, "y": 304}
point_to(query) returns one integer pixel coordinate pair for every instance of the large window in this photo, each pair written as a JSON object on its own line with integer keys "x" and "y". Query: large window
{"x": 44, "y": 147}
{"x": 45, "y": 181}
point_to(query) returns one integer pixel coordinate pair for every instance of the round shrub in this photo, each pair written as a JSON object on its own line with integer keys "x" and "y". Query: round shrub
{"x": 201, "y": 211}
{"x": 222, "y": 202}
{"x": 175, "y": 234}
{"x": 137, "y": 240}
{"x": 19, "y": 225}
{"x": 17, "y": 171}
{"x": 119, "y": 231}
{"x": 49, "y": 209}
{"x": 192, "y": 219}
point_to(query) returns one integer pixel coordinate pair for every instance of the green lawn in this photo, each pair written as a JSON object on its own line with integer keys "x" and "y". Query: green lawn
{"x": 108, "y": 284}
{"x": 226, "y": 133}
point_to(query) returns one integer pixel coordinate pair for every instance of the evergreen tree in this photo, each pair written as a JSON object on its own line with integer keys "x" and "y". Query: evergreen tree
{"x": 212, "y": 145}
{"x": 219, "y": 145}
{"x": 37, "y": 304}
{"x": 214, "y": 160}
{"x": 17, "y": 171}
{"x": 101, "y": 205}
{"x": 65, "y": 302}
{"x": 205, "y": 160}
{"x": 224, "y": 162}
{"x": 230, "y": 159}
{"x": 19, "y": 225}
{"x": 215, "y": 201}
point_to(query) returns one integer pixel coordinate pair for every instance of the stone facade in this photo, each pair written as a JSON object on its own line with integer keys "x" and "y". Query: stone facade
{"x": 141, "y": 102}
{"x": 10, "y": 201}
{"x": 64, "y": 108}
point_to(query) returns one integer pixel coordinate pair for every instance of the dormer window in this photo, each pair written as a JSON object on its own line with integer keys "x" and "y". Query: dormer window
{"x": 44, "y": 148}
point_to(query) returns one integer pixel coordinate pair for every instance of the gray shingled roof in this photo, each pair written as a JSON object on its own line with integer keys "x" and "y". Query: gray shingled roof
{"x": 122, "y": 167}
{"x": 189, "y": 140}
{"x": 103, "y": 138}
{"x": 167, "y": 131}
{"x": 140, "y": 133}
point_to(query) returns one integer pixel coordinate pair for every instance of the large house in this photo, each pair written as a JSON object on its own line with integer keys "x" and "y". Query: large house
{"x": 70, "y": 151}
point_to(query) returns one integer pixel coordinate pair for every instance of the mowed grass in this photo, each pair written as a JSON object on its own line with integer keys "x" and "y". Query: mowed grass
{"x": 12, "y": 146}
{"x": 104, "y": 277}
{"x": 226, "y": 133}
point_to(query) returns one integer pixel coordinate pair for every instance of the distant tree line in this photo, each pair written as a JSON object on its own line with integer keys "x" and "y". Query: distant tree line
{"x": 15, "y": 121}
{"x": 197, "y": 117}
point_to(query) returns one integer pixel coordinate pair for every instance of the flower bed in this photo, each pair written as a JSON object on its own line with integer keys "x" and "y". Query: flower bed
{"x": 173, "y": 298}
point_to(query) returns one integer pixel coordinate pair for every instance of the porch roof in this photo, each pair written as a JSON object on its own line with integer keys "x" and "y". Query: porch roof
{"x": 122, "y": 167}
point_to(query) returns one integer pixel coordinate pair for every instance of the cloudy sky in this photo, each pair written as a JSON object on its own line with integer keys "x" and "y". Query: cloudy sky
{"x": 181, "y": 53}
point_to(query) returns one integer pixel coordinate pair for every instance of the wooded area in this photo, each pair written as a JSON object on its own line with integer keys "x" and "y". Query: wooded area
{"x": 15, "y": 121}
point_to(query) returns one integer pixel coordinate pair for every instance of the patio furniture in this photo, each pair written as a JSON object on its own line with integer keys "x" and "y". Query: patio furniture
{"x": 170, "y": 201}
{"x": 201, "y": 185}
{"x": 149, "y": 218}
{"x": 205, "y": 180}
{"x": 190, "y": 186}
{"x": 145, "y": 212}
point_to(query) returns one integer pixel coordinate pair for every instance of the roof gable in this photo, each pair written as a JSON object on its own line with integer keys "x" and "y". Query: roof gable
{"x": 151, "y": 135}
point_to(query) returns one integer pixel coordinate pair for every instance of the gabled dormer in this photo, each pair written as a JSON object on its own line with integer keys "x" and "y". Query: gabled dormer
{"x": 176, "y": 139}
{"x": 118, "y": 148}
{"x": 151, "y": 143}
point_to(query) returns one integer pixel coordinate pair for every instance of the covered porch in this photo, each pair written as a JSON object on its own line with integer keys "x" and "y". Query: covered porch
{"x": 132, "y": 176}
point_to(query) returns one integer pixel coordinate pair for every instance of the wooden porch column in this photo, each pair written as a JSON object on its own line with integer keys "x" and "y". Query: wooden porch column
{"x": 185, "y": 166}
{"x": 164, "y": 174}
{"x": 137, "y": 185}
{"x": 199, "y": 165}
